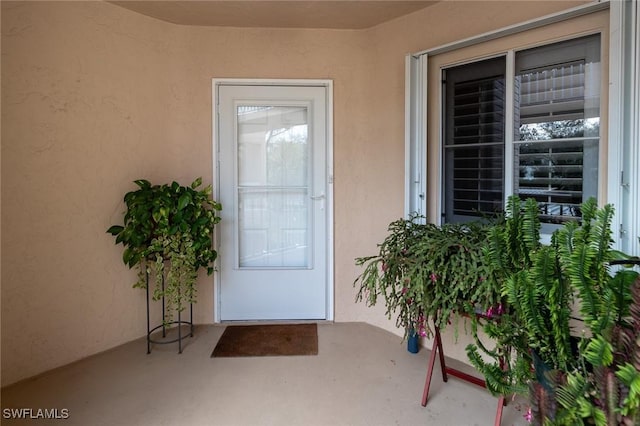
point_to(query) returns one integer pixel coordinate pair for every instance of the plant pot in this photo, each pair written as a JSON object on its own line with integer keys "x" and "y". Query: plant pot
{"x": 413, "y": 345}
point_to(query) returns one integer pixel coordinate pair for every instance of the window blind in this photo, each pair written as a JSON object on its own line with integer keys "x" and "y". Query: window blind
{"x": 557, "y": 136}
{"x": 476, "y": 146}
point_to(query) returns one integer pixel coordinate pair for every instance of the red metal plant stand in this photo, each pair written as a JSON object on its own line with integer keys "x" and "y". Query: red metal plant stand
{"x": 436, "y": 350}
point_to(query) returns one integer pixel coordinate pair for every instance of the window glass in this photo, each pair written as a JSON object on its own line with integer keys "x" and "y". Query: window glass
{"x": 474, "y": 140}
{"x": 557, "y": 126}
{"x": 556, "y": 132}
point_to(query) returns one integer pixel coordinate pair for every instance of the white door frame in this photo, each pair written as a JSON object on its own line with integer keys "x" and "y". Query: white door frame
{"x": 328, "y": 84}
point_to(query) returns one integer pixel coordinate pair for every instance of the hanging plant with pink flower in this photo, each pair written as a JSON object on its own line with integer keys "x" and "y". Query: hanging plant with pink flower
{"x": 428, "y": 275}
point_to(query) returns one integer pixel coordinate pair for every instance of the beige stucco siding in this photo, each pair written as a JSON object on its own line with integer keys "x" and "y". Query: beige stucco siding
{"x": 95, "y": 96}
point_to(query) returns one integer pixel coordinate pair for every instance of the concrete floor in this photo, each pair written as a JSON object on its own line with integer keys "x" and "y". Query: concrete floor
{"x": 362, "y": 375}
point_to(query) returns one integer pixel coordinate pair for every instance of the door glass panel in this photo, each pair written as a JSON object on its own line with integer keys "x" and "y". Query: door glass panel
{"x": 272, "y": 190}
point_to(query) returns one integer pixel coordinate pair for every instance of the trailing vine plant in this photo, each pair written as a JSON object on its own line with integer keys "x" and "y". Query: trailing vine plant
{"x": 426, "y": 274}
{"x": 167, "y": 234}
{"x": 527, "y": 297}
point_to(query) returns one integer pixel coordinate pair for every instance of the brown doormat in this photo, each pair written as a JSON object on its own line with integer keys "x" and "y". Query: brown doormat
{"x": 268, "y": 340}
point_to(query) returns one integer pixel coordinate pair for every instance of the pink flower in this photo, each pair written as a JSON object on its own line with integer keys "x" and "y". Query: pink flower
{"x": 384, "y": 267}
{"x": 434, "y": 277}
{"x": 500, "y": 310}
{"x": 528, "y": 416}
{"x": 404, "y": 290}
{"x": 490, "y": 312}
{"x": 422, "y": 332}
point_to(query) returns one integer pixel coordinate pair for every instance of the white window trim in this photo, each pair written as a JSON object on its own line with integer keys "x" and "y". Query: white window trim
{"x": 623, "y": 146}
{"x": 508, "y": 119}
{"x": 517, "y": 28}
{"x": 415, "y": 136}
{"x": 624, "y": 123}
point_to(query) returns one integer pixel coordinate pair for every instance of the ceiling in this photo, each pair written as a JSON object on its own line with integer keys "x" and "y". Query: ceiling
{"x": 342, "y": 14}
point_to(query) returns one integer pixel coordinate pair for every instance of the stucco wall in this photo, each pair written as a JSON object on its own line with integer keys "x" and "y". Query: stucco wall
{"x": 342, "y": 56}
{"x": 95, "y": 96}
{"x": 433, "y": 27}
{"x": 87, "y": 95}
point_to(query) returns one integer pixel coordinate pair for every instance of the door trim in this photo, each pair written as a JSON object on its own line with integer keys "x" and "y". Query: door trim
{"x": 328, "y": 85}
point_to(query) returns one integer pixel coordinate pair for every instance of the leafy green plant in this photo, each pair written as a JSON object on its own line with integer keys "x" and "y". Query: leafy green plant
{"x": 570, "y": 378}
{"x": 512, "y": 250}
{"x": 425, "y": 273}
{"x": 588, "y": 388}
{"x": 605, "y": 387}
{"x": 167, "y": 234}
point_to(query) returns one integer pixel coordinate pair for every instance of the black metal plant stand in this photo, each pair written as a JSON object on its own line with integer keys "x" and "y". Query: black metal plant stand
{"x": 165, "y": 324}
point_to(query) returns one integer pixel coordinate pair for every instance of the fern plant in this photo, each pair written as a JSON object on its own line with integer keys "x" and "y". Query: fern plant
{"x": 606, "y": 390}
{"x": 589, "y": 388}
{"x": 584, "y": 253}
{"x": 569, "y": 378}
{"x": 515, "y": 259}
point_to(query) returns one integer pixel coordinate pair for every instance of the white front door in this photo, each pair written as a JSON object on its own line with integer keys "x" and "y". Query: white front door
{"x": 273, "y": 186}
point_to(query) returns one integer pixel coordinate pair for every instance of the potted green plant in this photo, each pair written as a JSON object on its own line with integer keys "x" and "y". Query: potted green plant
{"x": 167, "y": 234}
{"x": 511, "y": 249}
{"x": 606, "y": 389}
{"x": 570, "y": 377}
{"x": 426, "y": 273}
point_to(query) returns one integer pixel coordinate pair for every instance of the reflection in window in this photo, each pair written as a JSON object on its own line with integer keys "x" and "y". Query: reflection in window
{"x": 273, "y": 184}
{"x": 474, "y": 140}
{"x": 556, "y": 132}
{"x": 558, "y": 126}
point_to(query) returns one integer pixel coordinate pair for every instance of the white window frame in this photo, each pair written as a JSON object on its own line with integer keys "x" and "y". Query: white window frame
{"x": 623, "y": 144}
{"x": 509, "y": 183}
{"x": 415, "y": 137}
{"x": 624, "y": 123}
{"x": 443, "y": 122}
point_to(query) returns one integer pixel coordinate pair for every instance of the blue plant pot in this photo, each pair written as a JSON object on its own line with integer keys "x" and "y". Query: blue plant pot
{"x": 413, "y": 345}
